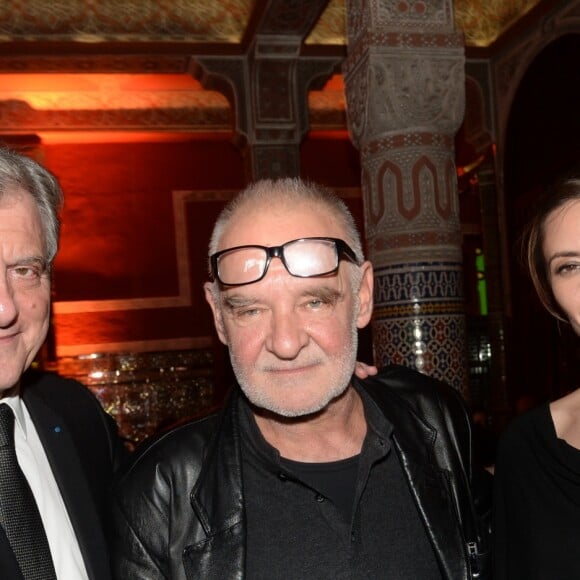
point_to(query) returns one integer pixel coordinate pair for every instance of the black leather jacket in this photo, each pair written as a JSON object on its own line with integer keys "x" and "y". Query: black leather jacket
{"x": 179, "y": 506}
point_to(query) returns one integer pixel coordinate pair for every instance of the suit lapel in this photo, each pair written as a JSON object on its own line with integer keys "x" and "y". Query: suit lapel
{"x": 8, "y": 565}
{"x": 67, "y": 469}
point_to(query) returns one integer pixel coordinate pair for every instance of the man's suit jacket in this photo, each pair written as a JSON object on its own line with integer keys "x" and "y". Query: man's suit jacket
{"x": 83, "y": 449}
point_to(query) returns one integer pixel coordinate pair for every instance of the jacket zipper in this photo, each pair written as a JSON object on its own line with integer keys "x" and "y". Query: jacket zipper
{"x": 473, "y": 558}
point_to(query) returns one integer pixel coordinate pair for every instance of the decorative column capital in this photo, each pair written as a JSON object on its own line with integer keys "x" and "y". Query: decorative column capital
{"x": 400, "y": 86}
{"x": 405, "y": 69}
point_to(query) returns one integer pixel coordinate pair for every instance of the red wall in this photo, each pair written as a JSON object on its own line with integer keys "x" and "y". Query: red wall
{"x": 119, "y": 240}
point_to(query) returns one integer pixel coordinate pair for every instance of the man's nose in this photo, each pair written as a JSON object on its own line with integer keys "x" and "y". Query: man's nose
{"x": 287, "y": 336}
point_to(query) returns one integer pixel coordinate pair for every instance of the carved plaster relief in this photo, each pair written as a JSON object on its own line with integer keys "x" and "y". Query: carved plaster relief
{"x": 364, "y": 16}
{"x": 416, "y": 91}
{"x": 420, "y": 163}
{"x": 126, "y": 20}
{"x": 412, "y": 14}
{"x": 419, "y": 87}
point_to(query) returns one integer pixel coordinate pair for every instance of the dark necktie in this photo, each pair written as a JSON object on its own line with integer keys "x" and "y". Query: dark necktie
{"x": 19, "y": 515}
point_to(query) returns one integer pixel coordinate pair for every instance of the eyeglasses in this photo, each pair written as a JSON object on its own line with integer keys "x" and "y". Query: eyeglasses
{"x": 303, "y": 258}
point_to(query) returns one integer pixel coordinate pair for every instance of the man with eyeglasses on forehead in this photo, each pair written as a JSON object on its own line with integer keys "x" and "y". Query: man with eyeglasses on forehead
{"x": 308, "y": 471}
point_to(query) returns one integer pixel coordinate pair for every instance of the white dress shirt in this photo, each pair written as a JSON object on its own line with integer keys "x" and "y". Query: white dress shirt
{"x": 64, "y": 547}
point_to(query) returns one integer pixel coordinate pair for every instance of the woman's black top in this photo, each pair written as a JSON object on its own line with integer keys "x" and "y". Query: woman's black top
{"x": 536, "y": 502}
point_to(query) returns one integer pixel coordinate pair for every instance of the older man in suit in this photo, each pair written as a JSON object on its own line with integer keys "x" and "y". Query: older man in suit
{"x": 58, "y": 448}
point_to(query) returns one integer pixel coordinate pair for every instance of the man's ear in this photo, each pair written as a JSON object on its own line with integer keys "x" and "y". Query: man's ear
{"x": 216, "y": 311}
{"x": 365, "y": 296}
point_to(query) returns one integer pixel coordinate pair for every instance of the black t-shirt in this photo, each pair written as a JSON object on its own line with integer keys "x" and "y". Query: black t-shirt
{"x": 302, "y": 525}
{"x": 335, "y": 480}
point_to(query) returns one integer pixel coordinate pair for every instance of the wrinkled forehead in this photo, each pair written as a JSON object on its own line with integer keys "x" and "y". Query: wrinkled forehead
{"x": 17, "y": 202}
{"x": 272, "y": 224}
{"x": 20, "y": 220}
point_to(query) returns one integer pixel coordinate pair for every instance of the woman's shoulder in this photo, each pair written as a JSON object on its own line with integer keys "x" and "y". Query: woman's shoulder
{"x": 527, "y": 428}
{"x": 527, "y": 442}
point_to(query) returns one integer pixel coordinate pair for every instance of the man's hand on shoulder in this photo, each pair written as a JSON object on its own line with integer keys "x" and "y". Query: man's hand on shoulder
{"x": 363, "y": 370}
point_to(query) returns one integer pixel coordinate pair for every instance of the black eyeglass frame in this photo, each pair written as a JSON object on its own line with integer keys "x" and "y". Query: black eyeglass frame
{"x": 343, "y": 250}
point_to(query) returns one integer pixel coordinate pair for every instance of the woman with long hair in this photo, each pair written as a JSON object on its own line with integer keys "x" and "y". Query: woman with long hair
{"x": 537, "y": 473}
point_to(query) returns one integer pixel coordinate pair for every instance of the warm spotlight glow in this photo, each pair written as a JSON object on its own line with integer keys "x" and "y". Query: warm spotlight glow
{"x": 62, "y": 137}
{"x": 69, "y": 92}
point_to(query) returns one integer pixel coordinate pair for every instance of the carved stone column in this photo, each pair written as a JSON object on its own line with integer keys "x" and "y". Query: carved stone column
{"x": 268, "y": 86}
{"x": 405, "y": 94}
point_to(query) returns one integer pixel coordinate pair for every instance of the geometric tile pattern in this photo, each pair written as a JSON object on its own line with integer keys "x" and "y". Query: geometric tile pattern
{"x": 419, "y": 319}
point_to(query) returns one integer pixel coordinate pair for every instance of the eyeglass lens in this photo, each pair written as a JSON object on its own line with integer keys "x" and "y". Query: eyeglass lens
{"x": 303, "y": 258}
{"x": 242, "y": 265}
